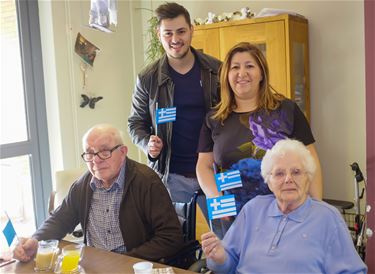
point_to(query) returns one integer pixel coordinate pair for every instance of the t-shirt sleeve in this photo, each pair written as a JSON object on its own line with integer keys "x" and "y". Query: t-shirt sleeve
{"x": 302, "y": 130}
{"x": 206, "y": 143}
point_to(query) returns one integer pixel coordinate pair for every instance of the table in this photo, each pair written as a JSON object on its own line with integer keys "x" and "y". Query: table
{"x": 94, "y": 260}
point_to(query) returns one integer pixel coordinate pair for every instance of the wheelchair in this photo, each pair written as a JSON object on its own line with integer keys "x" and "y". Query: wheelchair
{"x": 190, "y": 255}
{"x": 354, "y": 217}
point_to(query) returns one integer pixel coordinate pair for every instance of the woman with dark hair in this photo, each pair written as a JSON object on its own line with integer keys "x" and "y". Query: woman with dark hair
{"x": 250, "y": 118}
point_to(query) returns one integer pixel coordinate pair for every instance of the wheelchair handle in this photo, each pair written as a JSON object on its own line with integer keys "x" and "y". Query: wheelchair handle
{"x": 358, "y": 173}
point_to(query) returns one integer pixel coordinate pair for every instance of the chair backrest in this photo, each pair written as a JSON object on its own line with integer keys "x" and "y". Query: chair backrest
{"x": 186, "y": 213}
{"x": 64, "y": 179}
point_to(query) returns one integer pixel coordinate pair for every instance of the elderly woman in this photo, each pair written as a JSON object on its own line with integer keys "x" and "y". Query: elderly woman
{"x": 288, "y": 232}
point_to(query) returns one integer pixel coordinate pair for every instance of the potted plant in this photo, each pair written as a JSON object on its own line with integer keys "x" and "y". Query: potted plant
{"x": 154, "y": 49}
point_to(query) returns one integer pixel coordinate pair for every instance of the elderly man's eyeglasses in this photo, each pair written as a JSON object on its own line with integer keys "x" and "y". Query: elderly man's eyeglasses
{"x": 295, "y": 173}
{"x": 104, "y": 154}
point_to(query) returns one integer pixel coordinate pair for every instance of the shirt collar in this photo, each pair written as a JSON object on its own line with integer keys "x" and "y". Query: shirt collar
{"x": 297, "y": 215}
{"x": 117, "y": 184}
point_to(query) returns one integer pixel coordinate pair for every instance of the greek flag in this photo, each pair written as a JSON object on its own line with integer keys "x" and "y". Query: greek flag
{"x": 9, "y": 232}
{"x": 228, "y": 180}
{"x": 165, "y": 115}
{"x": 221, "y": 207}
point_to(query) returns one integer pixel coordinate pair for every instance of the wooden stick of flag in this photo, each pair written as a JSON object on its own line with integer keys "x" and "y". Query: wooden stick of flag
{"x": 215, "y": 171}
{"x": 156, "y": 114}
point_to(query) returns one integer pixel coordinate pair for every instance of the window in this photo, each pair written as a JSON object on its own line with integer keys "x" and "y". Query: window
{"x": 24, "y": 157}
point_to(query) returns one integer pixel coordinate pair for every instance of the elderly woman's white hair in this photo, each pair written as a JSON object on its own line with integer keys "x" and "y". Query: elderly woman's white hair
{"x": 280, "y": 149}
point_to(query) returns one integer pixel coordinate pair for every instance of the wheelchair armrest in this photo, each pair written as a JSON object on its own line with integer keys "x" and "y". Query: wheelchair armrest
{"x": 199, "y": 266}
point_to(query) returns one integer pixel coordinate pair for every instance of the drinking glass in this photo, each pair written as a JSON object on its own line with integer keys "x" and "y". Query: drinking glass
{"x": 46, "y": 255}
{"x": 68, "y": 261}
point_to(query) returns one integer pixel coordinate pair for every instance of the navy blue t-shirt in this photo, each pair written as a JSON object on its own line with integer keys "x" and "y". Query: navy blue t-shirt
{"x": 190, "y": 112}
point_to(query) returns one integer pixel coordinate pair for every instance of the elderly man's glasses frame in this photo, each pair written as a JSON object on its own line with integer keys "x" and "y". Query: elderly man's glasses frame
{"x": 103, "y": 154}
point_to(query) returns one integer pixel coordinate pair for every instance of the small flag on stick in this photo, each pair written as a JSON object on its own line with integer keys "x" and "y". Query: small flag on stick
{"x": 165, "y": 115}
{"x": 9, "y": 231}
{"x": 222, "y": 206}
{"x": 228, "y": 180}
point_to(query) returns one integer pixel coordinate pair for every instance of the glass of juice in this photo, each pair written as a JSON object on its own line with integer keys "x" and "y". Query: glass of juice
{"x": 68, "y": 261}
{"x": 46, "y": 255}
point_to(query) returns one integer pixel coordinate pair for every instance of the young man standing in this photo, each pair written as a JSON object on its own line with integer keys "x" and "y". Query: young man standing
{"x": 183, "y": 78}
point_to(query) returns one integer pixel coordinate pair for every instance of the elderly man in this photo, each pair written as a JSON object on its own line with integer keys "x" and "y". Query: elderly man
{"x": 121, "y": 205}
{"x": 287, "y": 232}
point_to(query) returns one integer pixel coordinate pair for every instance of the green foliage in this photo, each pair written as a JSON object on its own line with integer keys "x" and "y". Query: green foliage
{"x": 154, "y": 49}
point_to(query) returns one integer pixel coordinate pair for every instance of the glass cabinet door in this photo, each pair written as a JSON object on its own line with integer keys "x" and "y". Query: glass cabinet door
{"x": 207, "y": 41}
{"x": 299, "y": 65}
{"x": 299, "y": 82}
{"x": 270, "y": 37}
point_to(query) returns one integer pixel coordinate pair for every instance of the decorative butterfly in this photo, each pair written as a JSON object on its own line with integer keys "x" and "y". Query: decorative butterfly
{"x": 91, "y": 101}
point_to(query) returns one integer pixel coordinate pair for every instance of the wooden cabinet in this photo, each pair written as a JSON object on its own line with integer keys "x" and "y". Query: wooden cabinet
{"x": 283, "y": 40}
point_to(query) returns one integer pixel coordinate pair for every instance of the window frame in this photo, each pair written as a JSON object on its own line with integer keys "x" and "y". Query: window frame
{"x": 37, "y": 145}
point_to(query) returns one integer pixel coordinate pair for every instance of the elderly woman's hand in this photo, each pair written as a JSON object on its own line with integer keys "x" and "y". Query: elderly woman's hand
{"x": 213, "y": 248}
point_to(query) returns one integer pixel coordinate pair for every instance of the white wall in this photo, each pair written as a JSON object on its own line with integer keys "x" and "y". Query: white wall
{"x": 336, "y": 34}
{"x": 112, "y": 76}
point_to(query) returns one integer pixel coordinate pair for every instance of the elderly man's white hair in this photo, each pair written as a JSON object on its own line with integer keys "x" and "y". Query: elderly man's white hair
{"x": 280, "y": 149}
{"x": 107, "y": 128}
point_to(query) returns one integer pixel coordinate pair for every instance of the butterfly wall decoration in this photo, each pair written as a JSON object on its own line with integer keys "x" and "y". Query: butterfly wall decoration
{"x": 90, "y": 101}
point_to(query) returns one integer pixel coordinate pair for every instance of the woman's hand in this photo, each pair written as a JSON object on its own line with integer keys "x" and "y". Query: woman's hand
{"x": 212, "y": 248}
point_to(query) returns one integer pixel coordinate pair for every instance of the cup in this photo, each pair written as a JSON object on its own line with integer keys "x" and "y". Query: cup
{"x": 46, "y": 255}
{"x": 68, "y": 261}
{"x": 143, "y": 268}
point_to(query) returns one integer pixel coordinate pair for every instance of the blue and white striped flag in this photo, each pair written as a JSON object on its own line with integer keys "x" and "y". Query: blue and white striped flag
{"x": 165, "y": 115}
{"x": 221, "y": 207}
{"x": 228, "y": 180}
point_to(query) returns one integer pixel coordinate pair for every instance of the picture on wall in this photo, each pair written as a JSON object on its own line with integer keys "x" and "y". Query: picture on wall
{"x": 85, "y": 49}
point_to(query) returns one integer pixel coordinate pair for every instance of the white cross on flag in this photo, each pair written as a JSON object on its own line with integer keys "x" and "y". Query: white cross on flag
{"x": 222, "y": 206}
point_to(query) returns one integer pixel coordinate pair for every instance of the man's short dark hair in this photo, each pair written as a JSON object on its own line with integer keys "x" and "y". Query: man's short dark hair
{"x": 171, "y": 10}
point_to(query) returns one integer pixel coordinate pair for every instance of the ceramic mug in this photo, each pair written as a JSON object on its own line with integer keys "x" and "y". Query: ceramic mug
{"x": 143, "y": 268}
